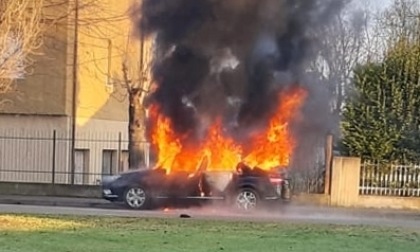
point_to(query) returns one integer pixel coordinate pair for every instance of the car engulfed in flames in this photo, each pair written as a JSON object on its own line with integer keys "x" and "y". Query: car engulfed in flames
{"x": 246, "y": 189}
{"x": 216, "y": 168}
{"x": 266, "y": 149}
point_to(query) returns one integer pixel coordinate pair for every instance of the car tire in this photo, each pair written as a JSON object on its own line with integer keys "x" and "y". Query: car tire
{"x": 246, "y": 199}
{"x": 136, "y": 197}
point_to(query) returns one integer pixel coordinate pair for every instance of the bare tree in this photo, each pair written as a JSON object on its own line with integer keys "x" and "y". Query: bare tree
{"x": 132, "y": 82}
{"x": 20, "y": 38}
{"x": 400, "y": 22}
{"x": 137, "y": 83}
{"x": 343, "y": 46}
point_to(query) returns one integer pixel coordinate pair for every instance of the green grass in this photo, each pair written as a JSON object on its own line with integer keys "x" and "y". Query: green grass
{"x": 72, "y": 234}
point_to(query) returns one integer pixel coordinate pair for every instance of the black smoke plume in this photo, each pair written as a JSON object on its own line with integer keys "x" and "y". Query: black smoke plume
{"x": 229, "y": 59}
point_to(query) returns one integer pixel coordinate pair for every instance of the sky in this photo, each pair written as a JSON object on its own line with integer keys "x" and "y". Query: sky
{"x": 372, "y": 4}
{"x": 378, "y": 3}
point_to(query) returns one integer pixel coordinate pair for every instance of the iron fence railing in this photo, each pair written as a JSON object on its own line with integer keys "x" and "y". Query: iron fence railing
{"x": 311, "y": 180}
{"x": 48, "y": 156}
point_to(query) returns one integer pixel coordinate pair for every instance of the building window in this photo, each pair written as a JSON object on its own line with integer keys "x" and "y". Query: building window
{"x": 81, "y": 163}
{"x": 110, "y": 162}
{"x": 124, "y": 161}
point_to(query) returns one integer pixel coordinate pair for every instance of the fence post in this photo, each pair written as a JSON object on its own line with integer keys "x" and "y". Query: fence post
{"x": 119, "y": 152}
{"x": 328, "y": 164}
{"x": 53, "y": 155}
{"x": 345, "y": 181}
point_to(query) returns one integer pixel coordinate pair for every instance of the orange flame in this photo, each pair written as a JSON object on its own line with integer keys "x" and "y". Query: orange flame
{"x": 275, "y": 146}
{"x": 222, "y": 153}
{"x": 270, "y": 148}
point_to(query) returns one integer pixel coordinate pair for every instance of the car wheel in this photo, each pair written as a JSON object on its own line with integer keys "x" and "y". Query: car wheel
{"x": 136, "y": 198}
{"x": 246, "y": 199}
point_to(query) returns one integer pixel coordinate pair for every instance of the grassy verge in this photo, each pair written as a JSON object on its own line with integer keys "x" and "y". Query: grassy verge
{"x": 68, "y": 234}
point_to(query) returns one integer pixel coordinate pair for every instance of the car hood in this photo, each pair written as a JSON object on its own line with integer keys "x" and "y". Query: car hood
{"x": 130, "y": 173}
{"x": 138, "y": 172}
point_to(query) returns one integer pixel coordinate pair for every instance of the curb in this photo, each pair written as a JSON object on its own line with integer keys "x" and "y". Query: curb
{"x": 59, "y": 203}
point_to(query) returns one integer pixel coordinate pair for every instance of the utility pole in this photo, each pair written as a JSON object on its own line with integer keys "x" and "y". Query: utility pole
{"x": 74, "y": 91}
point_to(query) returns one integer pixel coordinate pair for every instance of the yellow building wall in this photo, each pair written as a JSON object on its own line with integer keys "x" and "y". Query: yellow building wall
{"x": 43, "y": 89}
{"x": 102, "y": 99}
{"x": 104, "y": 41}
{"x": 103, "y": 47}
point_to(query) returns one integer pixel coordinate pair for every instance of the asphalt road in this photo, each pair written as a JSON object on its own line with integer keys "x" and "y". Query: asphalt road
{"x": 298, "y": 214}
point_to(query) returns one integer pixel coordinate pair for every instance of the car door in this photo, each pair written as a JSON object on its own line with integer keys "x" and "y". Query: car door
{"x": 182, "y": 185}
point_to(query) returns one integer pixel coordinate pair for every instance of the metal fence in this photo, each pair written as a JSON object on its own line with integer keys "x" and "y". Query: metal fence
{"x": 390, "y": 179}
{"x": 309, "y": 181}
{"x": 307, "y": 171}
{"x": 48, "y": 156}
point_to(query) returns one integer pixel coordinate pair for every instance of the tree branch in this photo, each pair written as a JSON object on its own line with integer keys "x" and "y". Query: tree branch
{"x": 20, "y": 38}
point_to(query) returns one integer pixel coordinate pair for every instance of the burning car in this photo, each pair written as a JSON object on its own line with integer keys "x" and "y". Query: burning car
{"x": 213, "y": 165}
{"x": 225, "y": 90}
{"x": 245, "y": 189}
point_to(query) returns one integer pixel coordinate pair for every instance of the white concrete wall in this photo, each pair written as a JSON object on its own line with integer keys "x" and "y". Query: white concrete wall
{"x": 97, "y": 136}
{"x": 26, "y": 148}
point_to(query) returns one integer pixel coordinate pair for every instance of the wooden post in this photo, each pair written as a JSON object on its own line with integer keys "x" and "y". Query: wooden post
{"x": 328, "y": 164}
{"x": 345, "y": 182}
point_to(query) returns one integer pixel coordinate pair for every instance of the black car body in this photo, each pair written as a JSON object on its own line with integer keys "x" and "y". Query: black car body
{"x": 246, "y": 188}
